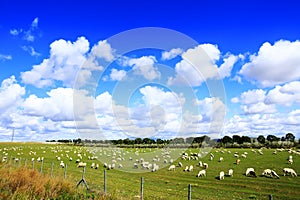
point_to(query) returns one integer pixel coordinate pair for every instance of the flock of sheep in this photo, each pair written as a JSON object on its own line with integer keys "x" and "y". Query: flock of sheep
{"x": 152, "y": 161}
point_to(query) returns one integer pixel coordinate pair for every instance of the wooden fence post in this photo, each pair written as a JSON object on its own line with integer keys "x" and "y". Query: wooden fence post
{"x": 190, "y": 192}
{"x": 104, "y": 181}
{"x": 142, "y": 189}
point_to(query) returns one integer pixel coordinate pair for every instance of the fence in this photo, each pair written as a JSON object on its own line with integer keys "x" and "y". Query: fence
{"x": 136, "y": 186}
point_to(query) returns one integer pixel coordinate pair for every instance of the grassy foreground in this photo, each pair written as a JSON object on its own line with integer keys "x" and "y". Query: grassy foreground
{"x": 162, "y": 184}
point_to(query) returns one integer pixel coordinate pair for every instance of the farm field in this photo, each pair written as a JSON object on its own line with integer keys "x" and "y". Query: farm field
{"x": 124, "y": 183}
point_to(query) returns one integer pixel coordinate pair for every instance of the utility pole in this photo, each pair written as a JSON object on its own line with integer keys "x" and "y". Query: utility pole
{"x": 13, "y": 134}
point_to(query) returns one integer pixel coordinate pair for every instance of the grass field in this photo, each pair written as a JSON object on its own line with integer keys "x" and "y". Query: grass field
{"x": 163, "y": 184}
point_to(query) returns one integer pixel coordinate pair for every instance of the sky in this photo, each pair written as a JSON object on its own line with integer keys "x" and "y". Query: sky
{"x": 159, "y": 69}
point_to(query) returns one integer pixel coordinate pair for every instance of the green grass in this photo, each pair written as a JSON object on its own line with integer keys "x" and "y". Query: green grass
{"x": 166, "y": 184}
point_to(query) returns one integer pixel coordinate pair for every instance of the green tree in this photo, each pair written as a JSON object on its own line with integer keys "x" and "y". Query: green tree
{"x": 272, "y": 138}
{"x": 261, "y": 139}
{"x": 290, "y": 137}
{"x": 226, "y": 139}
{"x": 246, "y": 139}
{"x": 237, "y": 139}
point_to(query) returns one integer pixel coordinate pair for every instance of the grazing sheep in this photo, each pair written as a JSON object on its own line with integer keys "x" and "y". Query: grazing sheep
{"x": 81, "y": 164}
{"x": 205, "y": 165}
{"x": 237, "y": 161}
{"x": 70, "y": 159}
{"x": 92, "y": 165}
{"x": 230, "y": 172}
{"x": 244, "y": 156}
{"x": 200, "y": 164}
{"x": 287, "y": 171}
{"x": 221, "y": 159}
{"x": 273, "y": 173}
{"x": 135, "y": 165}
{"x": 77, "y": 161}
{"x": 267, "y": 172}
{"x": 186, "y": 168}
{"x": 62, "y": 164}
{"x": 155, "y": 167}
{"x": 105, "y": 165}
{"x": 172, "y": 167}
{"x": 221, "y": 175}
{"x": 250, "y": 172}
{"x": 191, "y": 168}
{"x": 97, "y": 166}
{"x": 201, "y": 173}
{"x": 290, "y": 161}
{"x": 180, "y": 164}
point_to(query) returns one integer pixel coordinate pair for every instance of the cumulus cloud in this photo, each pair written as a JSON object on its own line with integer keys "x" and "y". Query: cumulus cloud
{"x": 117, "y": 75}
{"x": 65, "y": 60}
{"x": 168, "y": 55}
{"x": 143, "y": 66}
{"x": 57, "y": 107}
{"x": 274, "y": 64}
{"x": 10, "y": 94}
{"x": 254, "y": 102}
{"x": 285, "y": 95}
{"x": 199, "y": 65}
{"x": 103, "y": 50}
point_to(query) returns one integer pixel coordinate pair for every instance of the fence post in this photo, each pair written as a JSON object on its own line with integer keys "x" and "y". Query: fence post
{"x": 51, "y": 173}
{"x": 65, "y": 171}
{"x": 142, "y": 189}
{"x": 190, "y": 192}
{"x": 270, "y": 197}
{"x": 41, "y": 169}
{"x": 104, "y": 181}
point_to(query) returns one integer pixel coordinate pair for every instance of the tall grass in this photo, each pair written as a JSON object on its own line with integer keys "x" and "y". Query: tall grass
{"x": 23, "y": 183}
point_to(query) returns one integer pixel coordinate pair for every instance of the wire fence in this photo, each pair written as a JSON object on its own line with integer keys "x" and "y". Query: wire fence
{"x": 137, "y": 188}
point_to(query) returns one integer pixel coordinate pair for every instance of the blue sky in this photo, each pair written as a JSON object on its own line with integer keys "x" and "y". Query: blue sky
{"x": 64, "y": 73}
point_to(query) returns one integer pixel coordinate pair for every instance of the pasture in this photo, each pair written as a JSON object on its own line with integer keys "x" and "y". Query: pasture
{"x": 123, "y": 182}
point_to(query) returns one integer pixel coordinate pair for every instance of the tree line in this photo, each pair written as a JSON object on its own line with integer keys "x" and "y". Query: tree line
{"x": 235, "y": 141}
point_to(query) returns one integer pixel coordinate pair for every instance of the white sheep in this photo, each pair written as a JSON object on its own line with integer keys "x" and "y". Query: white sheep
{"x": 186, "y": 168}
{"x": 172, "y": 167}
{"x": 201, "y": 173}
{"x": 62, "y": 164}
{"x": 237, "y": 161}
{"x": 250, "y": 172}
{"x": 273, "y": 173}
{"x": 290, "y": 161}
{"x": 191, "y": 168}
{"x": 205, "y": 165}
{"x": 221, "y": 159}
{"x": 92, "y": 165}
{"x": 155, "y": 167}
{"x": 230, "y": 172}
{"x": 267, "y": 172}
{"x": 287, "y": 171}
{"x": 81, "y": 164}
{"x": 221, "y": 175}
{"x": 97, "y": 166}
{"x": 200, "y": 164}
{"x": 180, "y": 164}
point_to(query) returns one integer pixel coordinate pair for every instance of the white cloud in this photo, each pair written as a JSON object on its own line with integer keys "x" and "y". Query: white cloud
{"x": 64, "y": 62}
{"x": 227, "y": 65}
{"x": 212, "y": 109}
{"x": 143, "y": 66}
{"x": 199, "y": 65}
{"x": 285, "y": 95}
{"x": 57, "y": 107}
{"x": 34, "y": 23}
{"x": 103, "y": 50}
{"x": 15, "y": 32}
{"x": 5, "y": 57}
{"x": 168, "y": 55}
{"x": 274, "y": 64}
{"x": 31, "y": 50}
{"x": 117, "y": 75}
{"x": 10, "y": 94}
